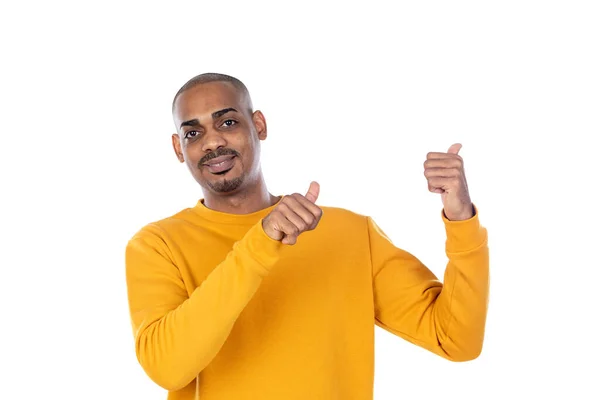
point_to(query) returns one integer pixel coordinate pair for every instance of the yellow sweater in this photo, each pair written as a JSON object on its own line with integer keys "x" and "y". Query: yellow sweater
{"x": 221, "y": 311}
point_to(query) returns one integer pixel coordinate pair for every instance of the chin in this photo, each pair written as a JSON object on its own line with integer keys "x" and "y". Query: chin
{"x": 225, "y": 184}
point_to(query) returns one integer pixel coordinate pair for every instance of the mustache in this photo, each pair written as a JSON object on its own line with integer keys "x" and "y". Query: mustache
{"x": 223, "y": 151}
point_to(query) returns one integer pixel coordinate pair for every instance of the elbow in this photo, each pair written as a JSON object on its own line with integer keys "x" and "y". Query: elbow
{"x": 463, "y": 344}
{"x": 466, "y": 355}
{"x": 462, "y": 352}
{"x": 168, "y": 380}
{"x": 163, "y": 370}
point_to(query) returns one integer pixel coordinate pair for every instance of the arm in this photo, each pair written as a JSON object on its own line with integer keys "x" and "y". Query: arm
{"x": 176, "y": 336}
{"x": 446, "y": 318}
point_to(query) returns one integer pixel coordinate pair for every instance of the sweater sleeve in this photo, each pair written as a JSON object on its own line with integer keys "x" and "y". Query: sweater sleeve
{"x": 176, "y": 335}
{"x": 446, "y": 318}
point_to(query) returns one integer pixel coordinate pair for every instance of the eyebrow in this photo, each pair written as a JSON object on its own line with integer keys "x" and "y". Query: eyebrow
{"x": 215, "y": 115}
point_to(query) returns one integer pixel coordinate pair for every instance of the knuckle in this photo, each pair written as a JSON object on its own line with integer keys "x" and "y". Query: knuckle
{"x": 272, "y": 215}
{"x": 314, "y": 220}
{"x": 309, "y": 225}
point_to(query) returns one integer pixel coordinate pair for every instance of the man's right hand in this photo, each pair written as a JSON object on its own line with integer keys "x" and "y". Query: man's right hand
{"x": 293, "y": 215}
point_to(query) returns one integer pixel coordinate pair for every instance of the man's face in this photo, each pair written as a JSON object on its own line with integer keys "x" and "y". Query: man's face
{"x": 218, "y": 136}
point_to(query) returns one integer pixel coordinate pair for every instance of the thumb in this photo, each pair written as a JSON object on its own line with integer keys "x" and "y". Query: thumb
{"x": 313, "y": 192}
{"x": 455, "y": 148}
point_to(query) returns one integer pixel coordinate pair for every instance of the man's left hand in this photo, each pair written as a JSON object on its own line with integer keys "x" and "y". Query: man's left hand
{"x": 446, "y": 175}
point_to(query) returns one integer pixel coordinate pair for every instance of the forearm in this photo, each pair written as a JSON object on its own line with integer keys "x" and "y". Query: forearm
{"x": 174, "y": 344}
{"x": 461, "y": 308}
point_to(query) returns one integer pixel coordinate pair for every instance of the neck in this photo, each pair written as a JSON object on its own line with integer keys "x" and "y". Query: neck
{"x": 254, "y": 198}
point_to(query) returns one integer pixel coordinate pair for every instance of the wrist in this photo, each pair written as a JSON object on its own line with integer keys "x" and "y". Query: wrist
{"x": 462, "y": 215}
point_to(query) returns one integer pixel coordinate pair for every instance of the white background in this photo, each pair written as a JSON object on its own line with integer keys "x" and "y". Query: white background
{"x": 355, "y": 95}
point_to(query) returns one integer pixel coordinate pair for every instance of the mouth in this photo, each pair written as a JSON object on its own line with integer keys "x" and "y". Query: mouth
{"x": 220, "y": 165}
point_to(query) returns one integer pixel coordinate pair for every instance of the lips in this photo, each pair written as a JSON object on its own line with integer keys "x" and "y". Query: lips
{"x": 220, "y": 164}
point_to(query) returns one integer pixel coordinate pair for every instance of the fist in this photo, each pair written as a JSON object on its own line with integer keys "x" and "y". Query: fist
{"x": 293, "y": 215}
{"x": 445, "y": 175}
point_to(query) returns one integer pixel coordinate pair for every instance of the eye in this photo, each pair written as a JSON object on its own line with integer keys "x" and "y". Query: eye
{"x": 229, "y": 123}
{"x": 191, "y": 134}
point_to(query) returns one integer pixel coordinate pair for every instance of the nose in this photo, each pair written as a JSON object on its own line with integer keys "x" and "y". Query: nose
{"x": 212, "y": 141}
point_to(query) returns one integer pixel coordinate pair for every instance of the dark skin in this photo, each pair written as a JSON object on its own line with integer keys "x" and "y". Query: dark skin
{"x": 218, "y": 137}
{"x": 218, "y": 119}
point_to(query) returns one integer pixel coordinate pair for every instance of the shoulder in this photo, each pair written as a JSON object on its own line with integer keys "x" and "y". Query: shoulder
{"x": 343, "y": 216}
{"x": 157, "y": 230}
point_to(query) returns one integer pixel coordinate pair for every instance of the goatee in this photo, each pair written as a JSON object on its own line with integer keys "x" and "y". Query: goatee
{"x": 226, "y": 185}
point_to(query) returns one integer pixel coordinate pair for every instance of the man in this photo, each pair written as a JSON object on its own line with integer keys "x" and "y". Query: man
{"x": 247, "y": 295}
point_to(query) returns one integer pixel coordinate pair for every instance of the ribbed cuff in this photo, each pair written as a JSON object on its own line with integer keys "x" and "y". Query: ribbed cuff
{"x": 260, "y": 248}
{"x": 466, "y": 235}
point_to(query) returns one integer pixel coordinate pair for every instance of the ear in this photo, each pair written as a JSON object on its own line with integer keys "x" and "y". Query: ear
{"x": 260, "y": 124}
{"x": 177, "y": 147}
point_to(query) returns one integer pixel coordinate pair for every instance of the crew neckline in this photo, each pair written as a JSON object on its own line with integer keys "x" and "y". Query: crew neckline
{"x": 228, "y": 218}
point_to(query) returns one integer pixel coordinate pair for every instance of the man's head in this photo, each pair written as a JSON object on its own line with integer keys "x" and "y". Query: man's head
{"x": 218, "y": 133}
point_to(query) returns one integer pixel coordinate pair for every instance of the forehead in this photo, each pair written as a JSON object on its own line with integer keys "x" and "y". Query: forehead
{"x": 204, "y": 99}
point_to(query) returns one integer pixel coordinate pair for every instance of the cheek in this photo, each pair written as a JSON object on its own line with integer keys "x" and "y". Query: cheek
{"x": 190, "y": 163}
{"x": 249, "y": 152}
{"x": 249, "y": 144}
{"x": 191, "y": 157}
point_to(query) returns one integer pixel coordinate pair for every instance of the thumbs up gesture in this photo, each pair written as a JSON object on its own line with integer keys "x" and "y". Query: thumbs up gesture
{"x": 293, "y": 215}
{"x": 445, "y": 175}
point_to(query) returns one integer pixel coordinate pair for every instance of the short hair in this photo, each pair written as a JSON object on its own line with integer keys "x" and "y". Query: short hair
{"x": 214, "y": 77}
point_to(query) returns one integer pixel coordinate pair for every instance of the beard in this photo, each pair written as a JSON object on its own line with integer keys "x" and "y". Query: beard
{"x": 226, "y": 185}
